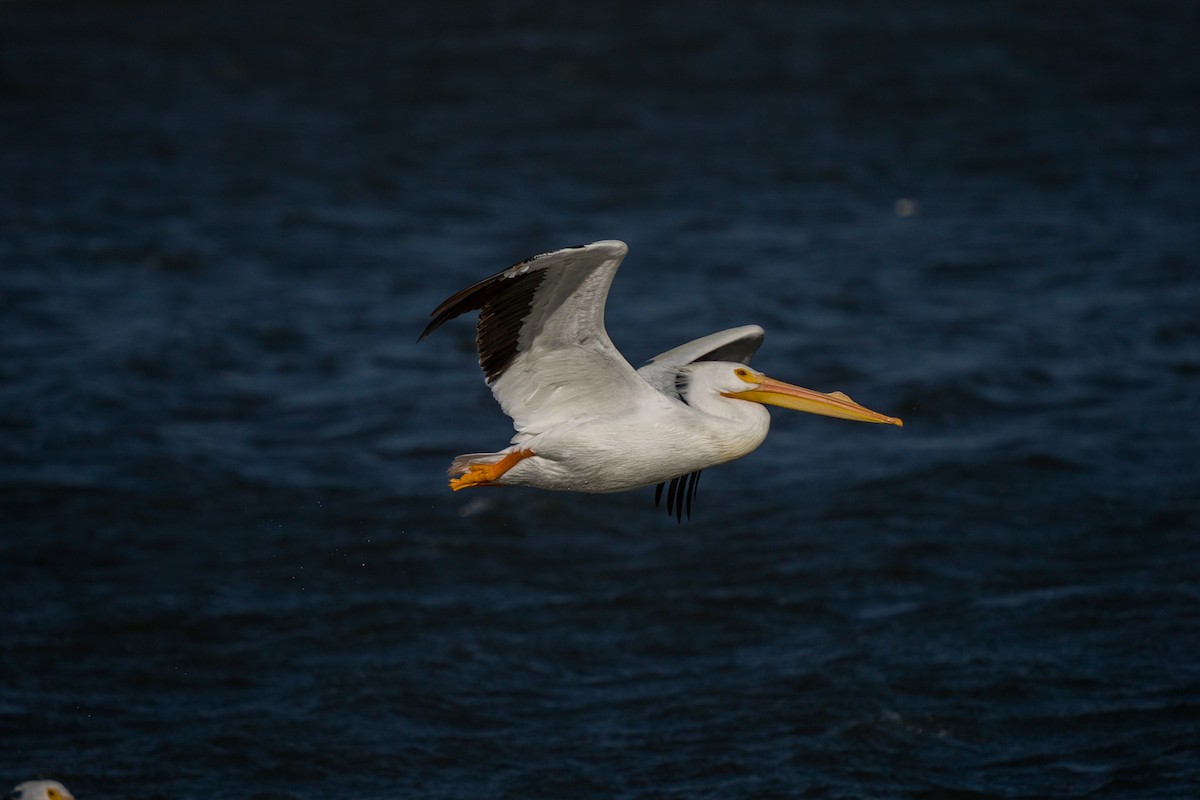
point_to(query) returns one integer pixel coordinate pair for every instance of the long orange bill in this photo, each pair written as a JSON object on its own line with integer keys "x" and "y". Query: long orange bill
{"x": 834, "y": 404}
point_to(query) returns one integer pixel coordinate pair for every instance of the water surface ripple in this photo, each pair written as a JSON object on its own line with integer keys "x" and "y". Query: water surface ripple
{"x": 229, "y": 563}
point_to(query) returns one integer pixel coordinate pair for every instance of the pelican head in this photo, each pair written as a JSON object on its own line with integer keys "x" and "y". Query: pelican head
{"x": 41, "y": 790}
{"x": 739, "y": 382}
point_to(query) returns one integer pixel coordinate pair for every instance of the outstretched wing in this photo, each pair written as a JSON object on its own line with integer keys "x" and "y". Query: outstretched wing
{"x": 541, "y": 338}
{"x": 733, "y": 344}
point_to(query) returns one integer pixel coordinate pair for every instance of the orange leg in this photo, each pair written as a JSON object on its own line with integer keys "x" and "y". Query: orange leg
{"x": 488, "y": 474}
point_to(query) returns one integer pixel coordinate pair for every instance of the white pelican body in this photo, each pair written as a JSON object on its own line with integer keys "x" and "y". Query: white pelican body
{"x": 586, "y": 420}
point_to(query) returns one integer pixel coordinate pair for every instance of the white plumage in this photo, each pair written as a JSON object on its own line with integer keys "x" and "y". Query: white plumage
{"x": 41, "y": 790}
{"x": 586, "y": 420}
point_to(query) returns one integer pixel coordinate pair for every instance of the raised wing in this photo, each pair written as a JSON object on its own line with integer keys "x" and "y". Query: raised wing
{"x": 541, "y": 338}
{"x": 733, "y": 344}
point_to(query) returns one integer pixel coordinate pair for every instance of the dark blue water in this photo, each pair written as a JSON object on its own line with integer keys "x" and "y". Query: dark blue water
{"x": 229, "y": 563}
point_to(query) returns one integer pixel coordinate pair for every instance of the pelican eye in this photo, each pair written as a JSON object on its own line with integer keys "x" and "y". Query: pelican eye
{"x": 746, "y": 375}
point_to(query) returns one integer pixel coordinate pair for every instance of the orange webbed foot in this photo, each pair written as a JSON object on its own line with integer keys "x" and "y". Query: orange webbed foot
{"x": 488, "y": 474}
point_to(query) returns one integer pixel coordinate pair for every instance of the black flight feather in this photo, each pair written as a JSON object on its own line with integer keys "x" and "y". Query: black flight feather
{"x": 503, "y": 301}
{"x": 681, "y": 494}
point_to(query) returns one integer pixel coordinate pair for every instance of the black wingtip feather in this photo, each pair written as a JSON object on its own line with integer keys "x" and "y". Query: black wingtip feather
{"x": 681, "y": 494}
{"x": 503, "y": 302}
{"x": 476, "y": 296}
{"x": 693, "y": 482}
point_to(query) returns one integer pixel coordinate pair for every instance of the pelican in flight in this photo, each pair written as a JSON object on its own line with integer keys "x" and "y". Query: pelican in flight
{"x": 586, "y": 420}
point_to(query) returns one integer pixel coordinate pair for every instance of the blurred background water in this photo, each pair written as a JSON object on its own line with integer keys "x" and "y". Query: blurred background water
{"x": 229, "y": 563}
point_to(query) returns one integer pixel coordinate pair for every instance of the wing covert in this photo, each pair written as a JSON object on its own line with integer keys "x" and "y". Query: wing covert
{"x": 733, "y": 344}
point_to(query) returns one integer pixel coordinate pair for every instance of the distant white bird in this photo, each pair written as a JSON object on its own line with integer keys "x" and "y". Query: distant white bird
{"x": 41, "y": 790}
{"x": 586, "y": 420}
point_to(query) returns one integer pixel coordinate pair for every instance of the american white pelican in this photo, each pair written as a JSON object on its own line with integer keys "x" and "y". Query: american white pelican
{"x": 41, "y": 790}
{"x": 586, "y": 420}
